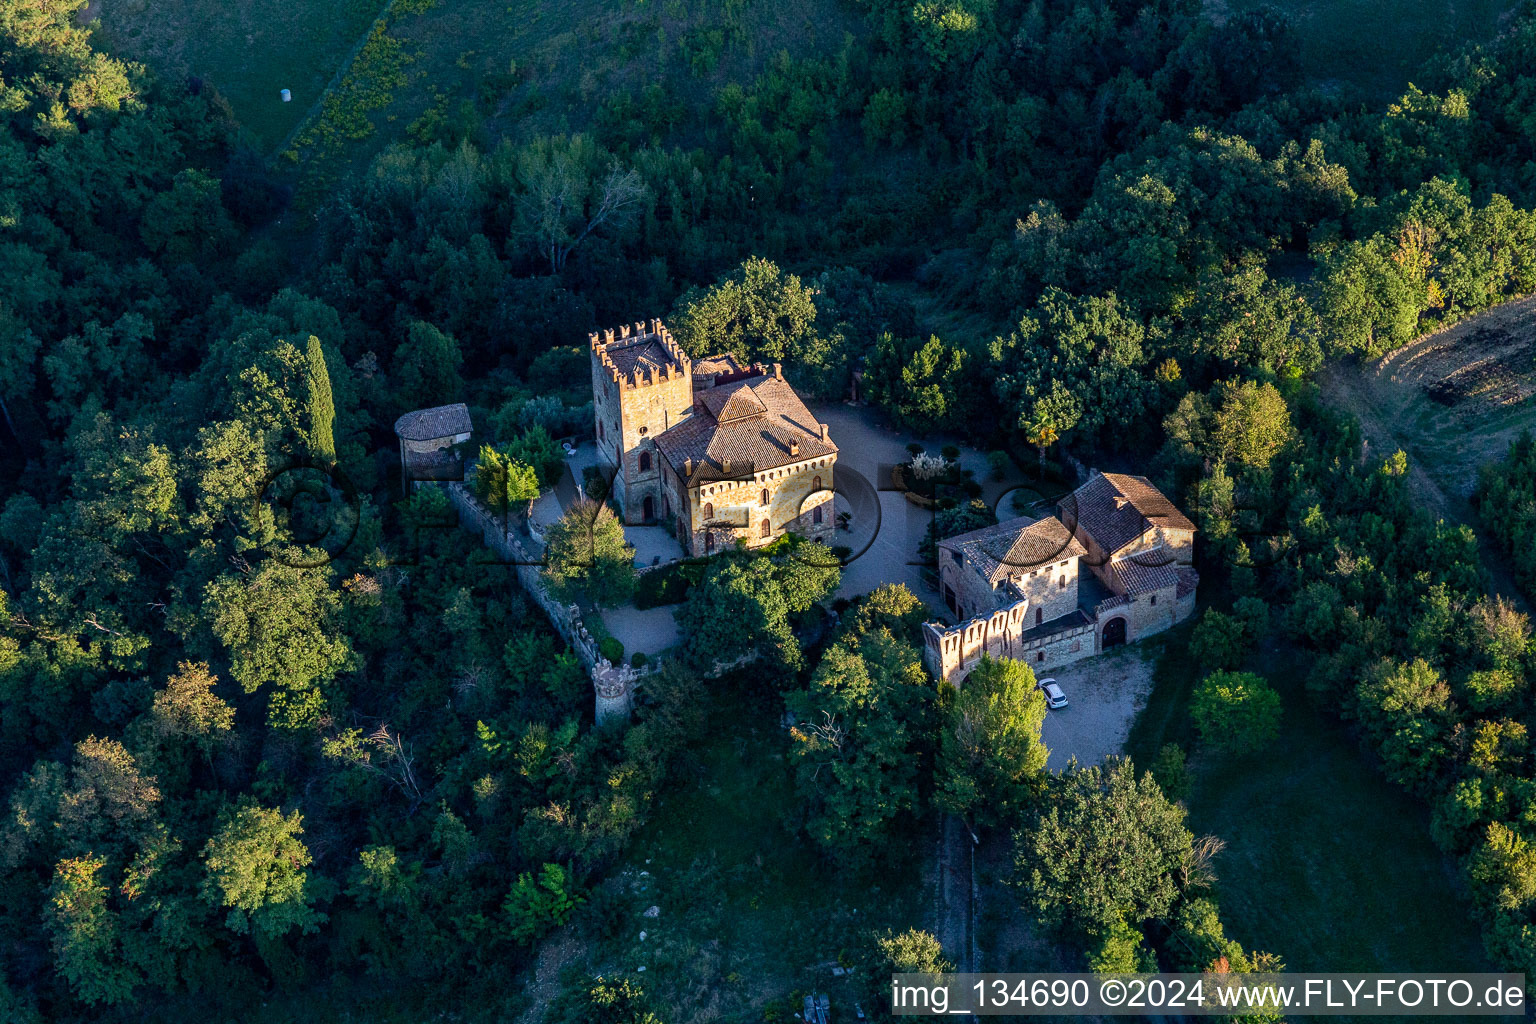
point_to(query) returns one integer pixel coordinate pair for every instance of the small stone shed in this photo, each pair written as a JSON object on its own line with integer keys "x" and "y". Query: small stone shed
{"x": 427, "y": 437}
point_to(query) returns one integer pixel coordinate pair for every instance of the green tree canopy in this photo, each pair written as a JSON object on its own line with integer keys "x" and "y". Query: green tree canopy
{"x": 1105, "y": 849}
{"x": 587, "y": 557}
{"x": 256, "y": 867}
{"x": 1236, "y": 712}
{"x": 862, "y": 734}
{"x": 990, "y": 756}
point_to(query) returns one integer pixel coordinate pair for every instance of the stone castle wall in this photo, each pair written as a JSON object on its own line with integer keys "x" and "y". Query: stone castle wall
{"x": 952, "y": 652}
{"x": 613, "y": 685}
{"x": 735, "y": 508}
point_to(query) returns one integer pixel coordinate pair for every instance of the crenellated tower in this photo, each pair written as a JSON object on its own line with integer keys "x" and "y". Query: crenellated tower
{"x": 642, "y": 384}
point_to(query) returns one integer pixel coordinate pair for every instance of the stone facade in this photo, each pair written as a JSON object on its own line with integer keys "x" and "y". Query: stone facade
{"x": 1019, "y": 592}
{"x": 721, "y": 452}
{"x": 642, "y": 385}
{"x": 714, "y": 515}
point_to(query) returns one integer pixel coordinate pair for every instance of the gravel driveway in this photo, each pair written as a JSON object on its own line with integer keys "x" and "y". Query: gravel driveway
{"x": 1104, "y": 695}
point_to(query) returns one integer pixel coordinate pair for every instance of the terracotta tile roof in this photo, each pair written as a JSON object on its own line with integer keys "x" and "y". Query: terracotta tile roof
{"x": 729, "y": 404}
{"x": 432, "y": 424}
{"x": 1146, "y": 572}
{"x": 1015, "y": 546}
{"x": 647, "y": 353}
{"x": 1188, "y": 581}
{"x": 706, "y": 366}
{"x": 1116, "y": 508}
{"x": 743, "y": 427}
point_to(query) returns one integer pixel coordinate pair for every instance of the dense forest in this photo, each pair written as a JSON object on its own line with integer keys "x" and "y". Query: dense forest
{"x": 236, "y": 761}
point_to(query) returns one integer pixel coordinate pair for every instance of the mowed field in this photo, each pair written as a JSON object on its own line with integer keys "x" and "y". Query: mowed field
{"x": 249, "y": 50}
{"x": 562, "y": 59}
{"x": 1452, "y": 400}
{"x": 1379, "y": 46}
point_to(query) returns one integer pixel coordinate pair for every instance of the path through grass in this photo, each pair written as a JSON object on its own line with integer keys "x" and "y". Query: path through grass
{"x": 248, "y": 51}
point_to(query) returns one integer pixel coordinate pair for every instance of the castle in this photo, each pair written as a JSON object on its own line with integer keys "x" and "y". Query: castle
{"x": 1019, "y": 592}
{"x": 718, "y": 451}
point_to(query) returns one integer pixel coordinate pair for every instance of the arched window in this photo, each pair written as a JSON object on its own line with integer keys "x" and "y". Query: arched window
{"x": 816, "y": 515}
{"x": 766, "y": 528}
{"x": 709, "y": 511}
{"x": 765, "y": 499}
{"x": 815, "y": 484}
{"x": 1040, "y": 656}
{"x": 709, "y": 543}
{"x": 1062, "y": 584}
{"x": 645, "y": 462}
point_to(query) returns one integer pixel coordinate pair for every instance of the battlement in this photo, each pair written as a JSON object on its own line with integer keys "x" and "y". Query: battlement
{"x": 639, "y": 354}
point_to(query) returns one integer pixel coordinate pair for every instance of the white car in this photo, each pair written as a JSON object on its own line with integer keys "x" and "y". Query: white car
{"x": 1054, "y": 698}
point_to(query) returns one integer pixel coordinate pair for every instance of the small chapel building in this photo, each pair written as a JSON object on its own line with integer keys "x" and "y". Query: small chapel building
{"x": 718, "y": 451}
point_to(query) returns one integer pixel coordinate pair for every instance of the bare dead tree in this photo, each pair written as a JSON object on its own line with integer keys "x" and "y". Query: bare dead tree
{"x": 381, "y": 753}
{"x": 1197, "y": 872}
{"x": 566, "y": 203}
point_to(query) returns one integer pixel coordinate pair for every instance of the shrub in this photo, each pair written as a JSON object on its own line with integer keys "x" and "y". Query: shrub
{"x": 637, "y": 660}
{"x": 664, "y": 586}
{"x": 1171, "y": 771}
{"x": 595, "y": 483}
{"x": 1218, "y": 642}
{"x": 1120, "y": 949}
{"x": 610, "y": 648}
{"x": 1236, "y": 712}
{"x": 997, "y": 462}
{"x": 928, "y": 467}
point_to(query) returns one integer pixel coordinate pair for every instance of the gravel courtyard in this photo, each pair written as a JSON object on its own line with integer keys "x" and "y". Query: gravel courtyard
{"x": 1104, "y": 694}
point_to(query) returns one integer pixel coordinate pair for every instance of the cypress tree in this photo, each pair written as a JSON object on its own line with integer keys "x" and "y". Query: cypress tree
{"x": 322, "y": 410}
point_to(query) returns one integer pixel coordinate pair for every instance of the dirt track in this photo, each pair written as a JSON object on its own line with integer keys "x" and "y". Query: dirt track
{"x": 1452, "y": 400}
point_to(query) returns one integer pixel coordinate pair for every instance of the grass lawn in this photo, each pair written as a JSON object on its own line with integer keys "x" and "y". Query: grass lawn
{"x": 749, "y": 914}
{"x": 1379, "y": 46}
{"x": 249, "y": 51}
{"x": 1327, "y": 864}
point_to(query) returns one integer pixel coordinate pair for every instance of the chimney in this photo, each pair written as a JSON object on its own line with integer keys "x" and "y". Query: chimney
{"x": 823, "y": 431}
{"x": 1121, "y": 501}
{"x": 778, "y": 370}
{"x": 794, "y": 447}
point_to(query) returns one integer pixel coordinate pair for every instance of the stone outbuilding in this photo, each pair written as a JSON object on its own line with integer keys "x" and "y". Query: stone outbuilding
{"x": 1019, "y": 590}
{"x": 427, "y": 439}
